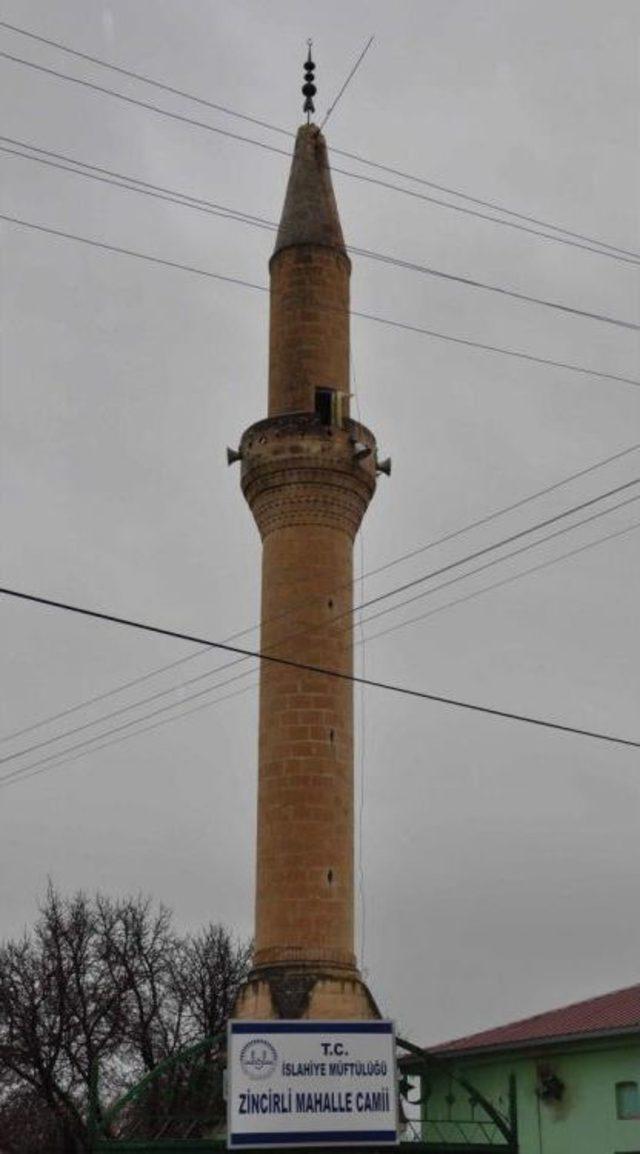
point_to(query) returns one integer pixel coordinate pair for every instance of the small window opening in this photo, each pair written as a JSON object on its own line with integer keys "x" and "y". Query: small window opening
{"x": 627, "y": 1100}
{"x": 330, "y": 876}
{"x": 331, "y": 406}
{"x": 325, "y": 405}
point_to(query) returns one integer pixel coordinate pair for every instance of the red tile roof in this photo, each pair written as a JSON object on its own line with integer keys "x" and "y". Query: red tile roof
{"x": 618, "y": 1012}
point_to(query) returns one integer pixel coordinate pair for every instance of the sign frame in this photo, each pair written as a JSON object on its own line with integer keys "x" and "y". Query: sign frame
{"x": 264, "y": 1031}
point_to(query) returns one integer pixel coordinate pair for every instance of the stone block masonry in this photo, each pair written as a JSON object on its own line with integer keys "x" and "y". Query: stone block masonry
{"x": 308, "y": 474}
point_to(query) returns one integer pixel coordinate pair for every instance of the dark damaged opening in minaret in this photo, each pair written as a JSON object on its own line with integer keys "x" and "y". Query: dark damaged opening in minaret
{"x": 325, "y": 404}
{"x": 330, "y": 407}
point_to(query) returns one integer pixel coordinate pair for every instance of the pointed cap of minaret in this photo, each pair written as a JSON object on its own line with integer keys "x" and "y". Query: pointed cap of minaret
{"x": 310, "y": 213}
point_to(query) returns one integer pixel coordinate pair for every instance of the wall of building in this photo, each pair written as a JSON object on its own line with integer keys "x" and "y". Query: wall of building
{"x": 585, "y": 1120}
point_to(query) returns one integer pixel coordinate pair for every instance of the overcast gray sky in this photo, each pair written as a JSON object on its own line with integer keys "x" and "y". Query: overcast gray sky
{"x": 500, "y": 863}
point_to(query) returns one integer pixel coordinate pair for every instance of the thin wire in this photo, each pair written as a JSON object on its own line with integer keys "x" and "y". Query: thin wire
{"x": 197, "y": 204}
{"x": 497, "y": 545}
{"x": 25, "y": 771}
{"x": 471, "y": 282}
{"x": 450, "y": 536}
{"x": 489, "y": 348}
{"x": 353, "y": 612}
{"x": 131, "y": 183}
{"x": 363, "y": 715}
{"x": 21, "y": 222}
{"x": 508, "y": 580}
{"x": 339, "y": 152}
{"x": 134, "y": 721}
{"x": 487, "y": 204}
{"x": 348, "y": 628}
{"x": 511, "y": 508}
{"x": 145, "y": 104}
{"x": 109, "y": 693}
{"x": 500, "y": 560}
{"x": 247, "y": 673}
{"x": 283, "y": 152}
{"x": 348, "y": 80}
{"x": 318, "y": 670}
{"x": 146, "y": 79}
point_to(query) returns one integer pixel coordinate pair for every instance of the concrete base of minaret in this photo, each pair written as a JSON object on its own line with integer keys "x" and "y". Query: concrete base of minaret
{"x": 322, "y": 994}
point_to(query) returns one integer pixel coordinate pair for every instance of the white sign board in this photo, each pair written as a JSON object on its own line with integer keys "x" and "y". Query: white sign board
{"x": 304, "y": 1083}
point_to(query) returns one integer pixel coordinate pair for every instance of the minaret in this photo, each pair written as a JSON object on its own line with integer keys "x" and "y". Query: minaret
{"x": 308, "y": 474}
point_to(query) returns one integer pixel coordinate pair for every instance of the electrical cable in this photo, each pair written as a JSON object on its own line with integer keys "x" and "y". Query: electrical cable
{"x": 283, "y": 152}
{"x": 500, "y": 560}
{"x": 71, "y": 164}
{"x": 445, "y": 538}
{"x": 34, "y": 771}
{"x": 403, "y": 325}
{"x": 338, "y": 152}
{"x": 198, "y": 204}
{"x": 511, "y": 508}
{"x": 60, "y": 760}
{"x": 354, "y": 611}
{"x": 500, "y": 544}
{"x": 362, "y": 751}
{"x": 319, "y": 671}
{"x": 508, "y": 580}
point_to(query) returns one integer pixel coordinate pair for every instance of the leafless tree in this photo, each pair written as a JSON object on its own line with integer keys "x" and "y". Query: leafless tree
{"x": 100, "y": 983}
{"x": 212, "y": 967}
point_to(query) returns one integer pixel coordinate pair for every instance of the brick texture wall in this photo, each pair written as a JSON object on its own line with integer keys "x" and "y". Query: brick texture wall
{"x": 308, "y": 490}
{"x": 309, "y": 329}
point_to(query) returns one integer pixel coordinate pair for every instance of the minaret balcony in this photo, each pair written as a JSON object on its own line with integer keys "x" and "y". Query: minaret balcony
{"x": 298, "y": 470}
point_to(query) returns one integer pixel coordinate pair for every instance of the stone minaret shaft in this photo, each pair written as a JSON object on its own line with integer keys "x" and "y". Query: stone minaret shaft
{"x": 308, "y": 473}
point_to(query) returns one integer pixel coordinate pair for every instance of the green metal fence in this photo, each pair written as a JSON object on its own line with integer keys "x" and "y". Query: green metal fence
{"x": 179, "y": 1108}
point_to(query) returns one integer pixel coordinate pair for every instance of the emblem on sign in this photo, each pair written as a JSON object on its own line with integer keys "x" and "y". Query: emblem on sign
{"x": 258, "y": 1059}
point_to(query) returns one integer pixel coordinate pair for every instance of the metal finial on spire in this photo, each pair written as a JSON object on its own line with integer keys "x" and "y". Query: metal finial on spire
{"x": 308, "y": 88}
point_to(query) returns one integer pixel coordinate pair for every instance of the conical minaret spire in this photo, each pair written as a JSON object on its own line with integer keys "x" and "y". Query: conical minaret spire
{"x": 308, "y": 474}
{"x": 310, "y": 213}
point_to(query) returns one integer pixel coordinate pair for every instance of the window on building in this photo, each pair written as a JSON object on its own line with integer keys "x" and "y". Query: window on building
{"x": 628, "y": 1100}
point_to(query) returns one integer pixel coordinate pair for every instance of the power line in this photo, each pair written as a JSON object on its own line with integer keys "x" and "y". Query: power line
{"x": 471, "y": 282}
{"x": 500, "y": 560}
{"x": 147, "y": 80}
{"x": 60, "y": 759}
{"x": 493, "y": 205}
{"x": 109, "y": 693}
{"x": 511, "y": 508}
{"x": 283, "y": 152}
{"x": 350, "y": 613}
{"x": 513, "y": 577}
{"x": 132, "y": 183}
{"x": 34, "y": 770}
{"x": 317, "y": 670}
{"x": 505, "y": 541}
{"x": 490, "y": 348}
{"x": 447, "y": 537}
{"x": 198, "y": 204}
{"x": 407, "y": 327}
{"x": 338, "y": 152}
